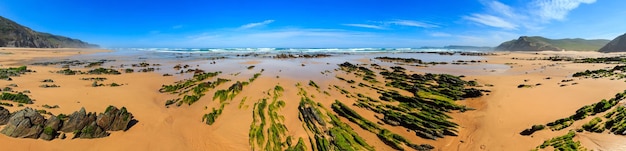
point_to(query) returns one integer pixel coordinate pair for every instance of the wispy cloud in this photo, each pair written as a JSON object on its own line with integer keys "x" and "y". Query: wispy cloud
{"x": 366, "y": 26}
{"x": 440, "y": 34}
{"x": 556, "y": 9}
{"x": 257, "y": 24}
{"x": 490, "y": 20}
{"x": 530, "y": 15}
{"x": 386, "y": 25}
{"x": 412, "y": 23}
{"x": 501, "y": 8}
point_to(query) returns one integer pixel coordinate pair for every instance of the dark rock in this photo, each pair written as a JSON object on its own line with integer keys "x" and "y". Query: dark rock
{"x": 91, "y": 131}
{"x": 26, "y": 123}
{"x": 425, "y": 135}
{"x": 5, "y": 115}
{"x": 50, "y": 128}
{"x": 78, "y": 120}
{"x": 54, "y": 122}
{"x": 114, "y": 119}
{"x": 390, "y": 121}
{"x": 48, "y": 133}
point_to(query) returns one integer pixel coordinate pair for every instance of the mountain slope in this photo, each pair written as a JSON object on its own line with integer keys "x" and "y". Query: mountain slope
{"x": 616, "y": 45}
{"x": 13, "y": 34}
{"x": 537, "y": 43}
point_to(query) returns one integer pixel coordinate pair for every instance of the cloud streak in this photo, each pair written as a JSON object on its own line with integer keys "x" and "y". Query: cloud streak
{"x": 366, "y": 26}
{"x": 556, "y": 9}
{"x": 412, "y": 23}
{"x": 491, "y": 20}
{"x": 529, "y": 16}
{"x": 257, "y": 24}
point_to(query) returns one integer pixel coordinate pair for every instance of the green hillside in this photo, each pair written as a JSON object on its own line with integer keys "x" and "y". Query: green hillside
{"x": 13, "y": 34}
{"x": 538, "y": 43}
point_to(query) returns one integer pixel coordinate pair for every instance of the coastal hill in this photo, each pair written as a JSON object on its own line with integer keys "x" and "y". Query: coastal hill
{"x": 13, "y": 34}
{"x": 616, "y": 45}
{"x": 537, "y": 43}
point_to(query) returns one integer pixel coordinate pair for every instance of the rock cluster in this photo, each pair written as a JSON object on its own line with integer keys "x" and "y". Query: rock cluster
{"x": 28, "y": 123}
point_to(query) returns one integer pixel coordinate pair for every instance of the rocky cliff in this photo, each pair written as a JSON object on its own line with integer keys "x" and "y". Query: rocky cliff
{"x": 616, "y": 45}
{"x": 13, "y": 34}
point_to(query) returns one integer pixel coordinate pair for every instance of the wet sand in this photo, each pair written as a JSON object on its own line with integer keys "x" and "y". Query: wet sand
{"x": 494, "y": 125}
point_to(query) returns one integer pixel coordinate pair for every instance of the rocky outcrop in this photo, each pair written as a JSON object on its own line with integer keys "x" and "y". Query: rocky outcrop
{"x": 13, "y": 34}
{"x": 616, "y": 45}
{"x": 28, "y": 123}
{"x": 91, "y": 131}
{"x": 78, "y": 120}
{"x": 310, "y": 114}
{"x": 537, "y": 43}
{"x": 51, "y": 127}
{"x": 5, "y": 115}
{"x": 114, "y": 119}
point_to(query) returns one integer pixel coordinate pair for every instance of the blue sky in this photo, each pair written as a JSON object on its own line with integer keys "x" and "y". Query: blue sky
{"x": 317, "y": 23}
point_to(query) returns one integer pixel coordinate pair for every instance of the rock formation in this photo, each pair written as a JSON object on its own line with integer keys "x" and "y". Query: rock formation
{"x": 4, "y": 115}
{"x": 28, "y": 123}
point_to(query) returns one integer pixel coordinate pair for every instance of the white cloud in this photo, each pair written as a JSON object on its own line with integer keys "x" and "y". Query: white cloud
{"x": 412, "y": 23}
{"x": 491, "y": 20}
{"x": 366, "y": 26}
{"x": 529, "y": 16}
{"x": 501, "y": 8}
{"x": 556, "y": 9}
{"x": 257, "y": 24}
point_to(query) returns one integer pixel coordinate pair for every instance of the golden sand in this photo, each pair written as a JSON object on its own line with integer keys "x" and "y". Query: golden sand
{"x": 494, "y": 125}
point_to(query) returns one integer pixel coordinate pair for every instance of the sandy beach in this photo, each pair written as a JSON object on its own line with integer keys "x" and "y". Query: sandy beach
{"x": 495, "y": 124}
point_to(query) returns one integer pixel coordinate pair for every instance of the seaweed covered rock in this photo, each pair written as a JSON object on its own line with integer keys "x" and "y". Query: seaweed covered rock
{"x": 26, "y": 123}
{"x": 50, "y": 128}
{"x": 91, "y": 131}
{"x": 5, "y": 115}
{"x": 77, "y": 120}
{"x": 114, "y": 119}
{"x": 310, "y": 114}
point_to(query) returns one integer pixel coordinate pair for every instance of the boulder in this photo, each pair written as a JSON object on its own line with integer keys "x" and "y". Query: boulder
{"x": 114, "y": 119}
{"x": 26, "y": 123}
{"x": 5, "y": 115}
{"x": 50, "y": 128}
{"x": 78, "y": 120}
{"x": 91, "y": 131}
{"x": 105, "y": 119}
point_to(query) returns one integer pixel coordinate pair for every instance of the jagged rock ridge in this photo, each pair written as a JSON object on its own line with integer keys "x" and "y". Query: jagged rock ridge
{"x": 28, "y": 123}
